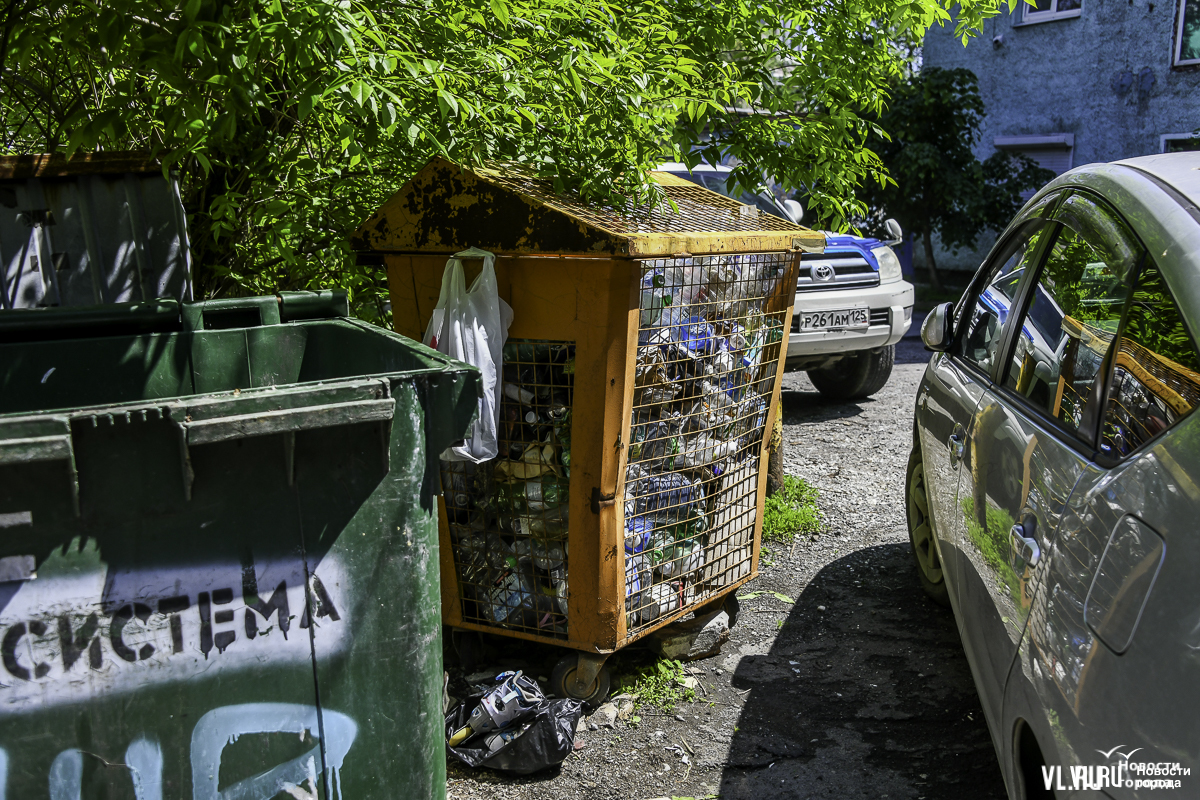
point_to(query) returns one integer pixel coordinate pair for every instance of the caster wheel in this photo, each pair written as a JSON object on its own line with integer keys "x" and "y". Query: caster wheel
{"x": 562, "y": 681}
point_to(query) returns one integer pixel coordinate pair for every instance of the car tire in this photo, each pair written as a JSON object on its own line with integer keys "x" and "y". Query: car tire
{"x": 921, "y": 535}
{"x": 857, "y": 376}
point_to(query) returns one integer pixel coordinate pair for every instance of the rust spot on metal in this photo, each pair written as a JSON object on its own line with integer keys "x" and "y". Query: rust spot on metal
{"x": 446, "y": 208}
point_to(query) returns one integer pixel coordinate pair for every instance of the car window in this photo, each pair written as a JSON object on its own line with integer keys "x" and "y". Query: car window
{"x": 1156, "y": 374}
{"x": 717, "y": 182}
{"x": 1067, "y": 328}
{"x": 690, "y": 177}
{"x": 982, "y": 316}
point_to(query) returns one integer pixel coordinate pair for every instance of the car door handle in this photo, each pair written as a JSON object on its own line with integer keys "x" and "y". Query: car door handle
{"x": 1026, "y": 543}
{"x": 955, "y": 443}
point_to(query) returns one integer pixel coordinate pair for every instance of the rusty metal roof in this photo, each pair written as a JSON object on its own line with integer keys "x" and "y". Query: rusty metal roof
{"x": 47, "y": 165}
{"x": 446, "y": 208}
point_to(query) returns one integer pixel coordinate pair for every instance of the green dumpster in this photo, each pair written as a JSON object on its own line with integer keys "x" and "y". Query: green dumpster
{"x": 219, "y": 552}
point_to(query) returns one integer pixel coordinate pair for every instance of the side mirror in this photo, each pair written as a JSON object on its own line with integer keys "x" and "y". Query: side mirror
{"x": 935, "y": 330}
{"x": 895, "y": 231}
{"x": 794, "y": 209}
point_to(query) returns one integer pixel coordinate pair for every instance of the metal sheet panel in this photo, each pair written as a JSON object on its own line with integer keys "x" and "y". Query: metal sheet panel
{"x": 84, "y": 239}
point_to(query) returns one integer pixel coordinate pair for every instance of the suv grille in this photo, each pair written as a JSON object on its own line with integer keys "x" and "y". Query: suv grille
{"x": 835, "y": 270}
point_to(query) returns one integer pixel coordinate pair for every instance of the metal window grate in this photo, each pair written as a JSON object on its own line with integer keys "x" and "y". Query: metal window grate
{"x": 707, "y": 355}
{"x": 508, "y": 517}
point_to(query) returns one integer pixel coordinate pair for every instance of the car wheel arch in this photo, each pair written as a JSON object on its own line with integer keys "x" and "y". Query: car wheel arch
{"x": 1028, "y": 759}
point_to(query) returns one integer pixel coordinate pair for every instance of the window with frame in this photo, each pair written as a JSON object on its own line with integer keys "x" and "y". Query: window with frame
{"x": 1063, "y": 344}
{"x": 1179, "y": 142}
{"x": 1156, "y": 372}
{"x": 981, "y": 319}
{"x": 1187, "y": 33}
{"x": 1046, "y": 10}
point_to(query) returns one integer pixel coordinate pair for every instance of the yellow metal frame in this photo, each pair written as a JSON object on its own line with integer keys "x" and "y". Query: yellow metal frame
{"x": 572, "y": 272}
{"x": 594, "y": 303}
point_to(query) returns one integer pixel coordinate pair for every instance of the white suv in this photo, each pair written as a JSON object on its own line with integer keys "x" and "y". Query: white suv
{"x": 851, "y": 304}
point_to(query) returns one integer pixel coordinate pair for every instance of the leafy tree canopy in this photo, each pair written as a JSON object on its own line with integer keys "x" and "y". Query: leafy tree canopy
{"x": 289, "y": 122}
{"x": 939, "y": 186}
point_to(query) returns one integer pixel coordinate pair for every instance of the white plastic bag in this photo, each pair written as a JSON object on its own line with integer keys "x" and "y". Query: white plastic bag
{"x": 471, "y": 325}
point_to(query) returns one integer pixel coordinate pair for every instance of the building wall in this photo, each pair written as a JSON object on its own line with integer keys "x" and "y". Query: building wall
{"x": 1105, "y": 77}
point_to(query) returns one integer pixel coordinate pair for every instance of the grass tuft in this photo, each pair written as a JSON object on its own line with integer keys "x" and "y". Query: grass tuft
{"x": 658, "y": 683}
{"x": 791, "y": 512}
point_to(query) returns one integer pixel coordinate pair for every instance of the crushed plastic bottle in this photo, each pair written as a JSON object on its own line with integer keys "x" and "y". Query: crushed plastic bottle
{"x": 514, "y": 392}
{"x": 702, "y": 450}
{"x": 682, "y": 560}
{"x": 547, "y": 556}
{"x": 670, "y": 492}
{"x": 654, "y": 440}
{"x": 659, "y": 600}
{"x": 637, "y": 578}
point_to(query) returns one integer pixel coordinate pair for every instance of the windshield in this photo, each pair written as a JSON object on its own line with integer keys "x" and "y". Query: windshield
{"x": 716, "y": 182}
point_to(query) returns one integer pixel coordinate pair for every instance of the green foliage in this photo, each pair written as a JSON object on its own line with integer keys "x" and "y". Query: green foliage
{"x": 925, "y": 140}
{"x": 791, "y": 511}
{"x": 289, "y": 123}
{"x": 660, "y": 684}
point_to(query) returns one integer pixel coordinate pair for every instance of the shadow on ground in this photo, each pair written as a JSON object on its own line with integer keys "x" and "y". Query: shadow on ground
{"x": 810, "y": 406}
{"x": 865, "y": 692}
{"x": 909, "y": 350}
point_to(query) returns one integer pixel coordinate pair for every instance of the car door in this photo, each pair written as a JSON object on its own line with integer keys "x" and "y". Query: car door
{"x": 1109, "y": 659}
{"x": 956, "y": 380}
{"x": 1034, "y": 430}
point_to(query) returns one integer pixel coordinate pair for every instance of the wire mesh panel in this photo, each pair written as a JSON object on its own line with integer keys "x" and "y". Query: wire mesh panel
{"x": 508, "y": 516}
{"x": 707, "y": 356}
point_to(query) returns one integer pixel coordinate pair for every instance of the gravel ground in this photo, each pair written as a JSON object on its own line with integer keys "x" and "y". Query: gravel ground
{"x": 859, "y": 689}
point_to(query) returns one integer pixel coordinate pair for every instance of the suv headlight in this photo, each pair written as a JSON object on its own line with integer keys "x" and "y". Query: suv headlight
{"x": 889, "y": 264}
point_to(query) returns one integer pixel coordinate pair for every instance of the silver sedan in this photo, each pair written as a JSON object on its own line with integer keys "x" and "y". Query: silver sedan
{"x": 1052, "y": 492}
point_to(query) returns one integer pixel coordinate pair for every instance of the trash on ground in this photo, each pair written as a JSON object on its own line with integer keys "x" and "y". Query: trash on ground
{"x": 512, "y": 727}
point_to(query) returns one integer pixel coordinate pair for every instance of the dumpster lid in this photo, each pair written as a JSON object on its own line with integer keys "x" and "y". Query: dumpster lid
{"x": 95, "y": 228}
{"x": 446, "y": 208}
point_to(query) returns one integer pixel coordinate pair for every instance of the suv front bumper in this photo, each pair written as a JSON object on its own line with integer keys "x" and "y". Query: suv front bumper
{"x": 895, "y": 298}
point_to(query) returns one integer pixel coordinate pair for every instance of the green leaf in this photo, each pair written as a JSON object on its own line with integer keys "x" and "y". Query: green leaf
{"x": 448, "y": 103}
{"x": 783, "y": 598}
{"x": 500, "y": 9}
{"x": 306, "y": 103}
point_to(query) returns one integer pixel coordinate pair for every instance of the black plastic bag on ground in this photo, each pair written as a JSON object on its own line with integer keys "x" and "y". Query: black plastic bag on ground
{"x": 541, "y": 740}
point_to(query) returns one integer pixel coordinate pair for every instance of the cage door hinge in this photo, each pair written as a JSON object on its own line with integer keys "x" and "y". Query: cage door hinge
{"x": 602, "y": 500}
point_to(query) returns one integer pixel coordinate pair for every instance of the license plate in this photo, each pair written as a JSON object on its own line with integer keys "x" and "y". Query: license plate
{"x": 835, "y": 319}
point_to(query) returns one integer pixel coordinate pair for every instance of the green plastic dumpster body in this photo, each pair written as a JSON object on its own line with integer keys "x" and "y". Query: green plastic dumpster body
{"x": 219, "y": 553}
